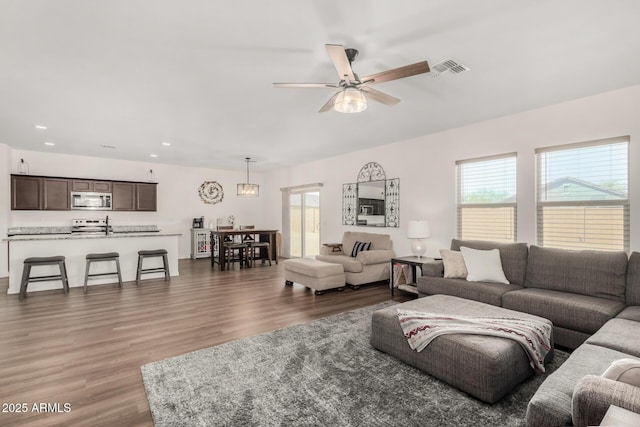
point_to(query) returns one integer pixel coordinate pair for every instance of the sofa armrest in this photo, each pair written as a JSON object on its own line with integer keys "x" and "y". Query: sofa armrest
{"x": 331, "y": 249}
{"x": 433, "y": 269}
{"x": 375, "y": 256}
{"x": 593, "y": 395}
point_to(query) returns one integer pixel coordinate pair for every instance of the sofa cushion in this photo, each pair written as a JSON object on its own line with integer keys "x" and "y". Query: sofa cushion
{"x": 593, "y": 273}
{"x": 633, "y": 279}
{"x": 551, "y": 405}
{"x": 630, "y": 313}
{"x": 378, "y": 241}
{"x": 625, "y": 370}
{"x": 349, "y": 264}
{"x": 483, "y": 266}
{"x": 618, "y": 334}
{"x": 572, "y": 311}
{"x": 360, "y": 247}
{"x": 375, "y": 256}
{"x": 512, "y": 255}
{"x": 489, "y": 293}
{"x": 454, "y": 266}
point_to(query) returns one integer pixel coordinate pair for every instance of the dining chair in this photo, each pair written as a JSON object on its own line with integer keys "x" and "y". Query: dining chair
{"x": 234, "y": 251}
{"x": 254, "y": 246}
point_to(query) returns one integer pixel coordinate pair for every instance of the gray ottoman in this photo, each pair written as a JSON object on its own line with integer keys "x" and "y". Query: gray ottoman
{"x": 485, "y": 367}
{"x": 317, "y": 275}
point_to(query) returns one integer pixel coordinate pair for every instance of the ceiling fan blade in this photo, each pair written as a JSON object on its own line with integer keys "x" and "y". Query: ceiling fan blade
{"x": 340, "y": 61}
{"x": 397, "y": 73}
{"x": 381, "y": 97}
{"x": 329, "y": 104}
{"x": 305, "y": 85}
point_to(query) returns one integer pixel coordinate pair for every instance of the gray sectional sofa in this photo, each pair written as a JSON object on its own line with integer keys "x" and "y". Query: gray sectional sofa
{"x": 593, "y": 300}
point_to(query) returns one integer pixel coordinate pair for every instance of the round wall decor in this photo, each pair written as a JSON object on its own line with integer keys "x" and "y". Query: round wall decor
{"x": 211, "y": 192}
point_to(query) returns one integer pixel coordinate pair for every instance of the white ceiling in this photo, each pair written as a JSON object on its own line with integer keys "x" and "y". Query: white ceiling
{"x": 198, "y": 73}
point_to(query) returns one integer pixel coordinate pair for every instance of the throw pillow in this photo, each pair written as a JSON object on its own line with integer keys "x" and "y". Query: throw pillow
{"x": 483, "y": 266}
{"x": 359, "y": 247}
{"x": 625, "y": 370}
{"x": 454, "y": 267}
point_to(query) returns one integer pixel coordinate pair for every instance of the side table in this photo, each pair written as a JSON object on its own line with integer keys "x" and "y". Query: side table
{"x": 414, "y": 262}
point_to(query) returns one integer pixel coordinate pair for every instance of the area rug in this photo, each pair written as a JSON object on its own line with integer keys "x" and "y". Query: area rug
{"x": 322, "y": 373}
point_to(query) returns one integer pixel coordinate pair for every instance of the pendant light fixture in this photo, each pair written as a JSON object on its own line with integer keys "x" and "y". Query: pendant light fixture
{"x": 246, "y": 189}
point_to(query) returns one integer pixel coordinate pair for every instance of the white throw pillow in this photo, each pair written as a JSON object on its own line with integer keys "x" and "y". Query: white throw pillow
{"x": 454, "y": 267}
{"x": 625, "y": 370}
{"x": 483, "y": 266}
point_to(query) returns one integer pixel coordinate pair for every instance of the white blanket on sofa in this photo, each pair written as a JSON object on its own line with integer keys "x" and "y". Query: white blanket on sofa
{"x": 534, "y": 336}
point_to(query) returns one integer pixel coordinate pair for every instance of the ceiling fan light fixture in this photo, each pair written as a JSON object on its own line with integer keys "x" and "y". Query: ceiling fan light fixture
{"x": 350, "y": 100}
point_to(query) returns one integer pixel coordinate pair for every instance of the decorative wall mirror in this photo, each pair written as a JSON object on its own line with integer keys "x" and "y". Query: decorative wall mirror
{"x": 373, "y": 201}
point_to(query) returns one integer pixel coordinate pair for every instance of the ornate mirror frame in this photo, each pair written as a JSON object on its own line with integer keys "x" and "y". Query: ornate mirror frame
{"x": 371, "y": 172}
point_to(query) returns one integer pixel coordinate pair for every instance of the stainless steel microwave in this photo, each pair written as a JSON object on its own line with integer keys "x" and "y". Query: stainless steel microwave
{"x": 81, "y": 200}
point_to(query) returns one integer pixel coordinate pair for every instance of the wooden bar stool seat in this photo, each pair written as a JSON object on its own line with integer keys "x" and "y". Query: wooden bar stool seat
{"x": 108, "y": 256}
{"x": 40, "y": 261}
{"x": 153, "y": 254}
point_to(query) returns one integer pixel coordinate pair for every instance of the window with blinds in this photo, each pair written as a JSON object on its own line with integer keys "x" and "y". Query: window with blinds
{"x": 486, "y": 202}
{"x": 583, "y": 195}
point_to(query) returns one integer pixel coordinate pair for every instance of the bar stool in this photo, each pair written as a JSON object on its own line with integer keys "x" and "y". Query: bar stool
{"x": 39, "y": 261}
{"x": 152, "y": 254}
{"x": 108, "y": 256}
{"x": 234, "y": 251}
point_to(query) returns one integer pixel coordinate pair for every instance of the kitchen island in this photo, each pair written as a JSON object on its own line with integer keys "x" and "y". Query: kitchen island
{"x": 76, "y": 247}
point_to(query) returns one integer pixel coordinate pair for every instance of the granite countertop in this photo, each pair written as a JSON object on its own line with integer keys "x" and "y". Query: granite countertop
{"x": 64, "y": 233}
{"x": 87, "y": 236}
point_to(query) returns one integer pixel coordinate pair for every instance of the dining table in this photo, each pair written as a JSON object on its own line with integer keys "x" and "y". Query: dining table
{"x": 261, "y": 235}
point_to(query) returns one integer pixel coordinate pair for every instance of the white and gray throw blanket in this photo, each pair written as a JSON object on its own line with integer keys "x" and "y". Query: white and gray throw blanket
{"x": 534, "y": 336}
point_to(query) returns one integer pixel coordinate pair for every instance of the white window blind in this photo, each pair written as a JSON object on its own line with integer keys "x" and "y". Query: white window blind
{"x": 486, "y": 199}
{"x": 583, "y": 195}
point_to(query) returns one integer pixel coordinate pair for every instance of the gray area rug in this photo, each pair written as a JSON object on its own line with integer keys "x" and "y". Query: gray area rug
{"x": 322, "y": 373}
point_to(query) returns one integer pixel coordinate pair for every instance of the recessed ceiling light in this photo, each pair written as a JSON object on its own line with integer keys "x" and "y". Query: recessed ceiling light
{"x": 41, "y": 127}
{"x": 49, "y": 143}
{"x": 166, "y": 144}
{"x": 153, "y": 155}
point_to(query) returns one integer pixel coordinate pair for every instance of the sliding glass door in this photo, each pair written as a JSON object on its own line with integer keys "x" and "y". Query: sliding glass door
{"x": 304, "y": 225}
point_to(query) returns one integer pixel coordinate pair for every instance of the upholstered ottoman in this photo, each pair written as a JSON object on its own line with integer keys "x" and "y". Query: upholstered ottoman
{"x": 486, "y": 367}
{"x": 314, "y": 274}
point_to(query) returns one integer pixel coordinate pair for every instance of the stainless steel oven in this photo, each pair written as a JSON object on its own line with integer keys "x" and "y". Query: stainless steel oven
{"x": 81, "y": 200}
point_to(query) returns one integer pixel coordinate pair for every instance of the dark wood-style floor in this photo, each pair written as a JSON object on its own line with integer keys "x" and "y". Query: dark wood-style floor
{"x": 86, "y": 350}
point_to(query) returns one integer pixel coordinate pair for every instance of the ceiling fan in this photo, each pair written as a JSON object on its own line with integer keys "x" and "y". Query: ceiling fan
{"x": 351, "y": 96}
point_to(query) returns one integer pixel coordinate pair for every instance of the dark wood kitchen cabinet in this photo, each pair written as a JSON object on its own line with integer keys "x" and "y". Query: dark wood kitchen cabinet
{"x": 26, "y": 192}
{"x": 55, "y": 194}
{"x": 91, "y": 186}
{"x": 146, "y": 197}
{"x": 29, "y": 192}
{"x": 124, "y": 196}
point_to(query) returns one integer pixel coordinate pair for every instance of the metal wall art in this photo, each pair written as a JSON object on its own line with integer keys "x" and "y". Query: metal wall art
{"x": 211, "y": 192}
{"x": 373, "y": 201}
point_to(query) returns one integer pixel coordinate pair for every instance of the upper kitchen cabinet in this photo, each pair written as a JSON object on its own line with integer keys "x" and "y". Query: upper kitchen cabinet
{"x": 146, "y": 197}
{"x": 91, "y": 186}
{"x": 124, "y": 196}
{"x": 26, "y": 192}
{"x": 55, "y": 194}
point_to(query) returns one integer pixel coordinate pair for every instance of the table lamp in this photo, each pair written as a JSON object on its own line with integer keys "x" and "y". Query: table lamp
{"x": 418, "y": 230}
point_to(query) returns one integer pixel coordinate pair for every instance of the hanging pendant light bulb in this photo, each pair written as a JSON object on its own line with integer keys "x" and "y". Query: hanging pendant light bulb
{"x": 247, "y": 189}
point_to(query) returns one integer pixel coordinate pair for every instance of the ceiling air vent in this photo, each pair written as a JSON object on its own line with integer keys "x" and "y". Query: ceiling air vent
{"x": 448, "y": 65}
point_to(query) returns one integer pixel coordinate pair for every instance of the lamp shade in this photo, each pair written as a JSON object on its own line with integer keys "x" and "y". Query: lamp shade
{"x": 350, "y": 100}
{"x": 418, "y": 229}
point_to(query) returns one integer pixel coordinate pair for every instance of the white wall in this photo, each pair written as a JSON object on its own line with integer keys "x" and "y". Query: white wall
{"x": 425, "y": 166}
{"x": 5, "y": 194}
{"x": 178, "y": 200}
